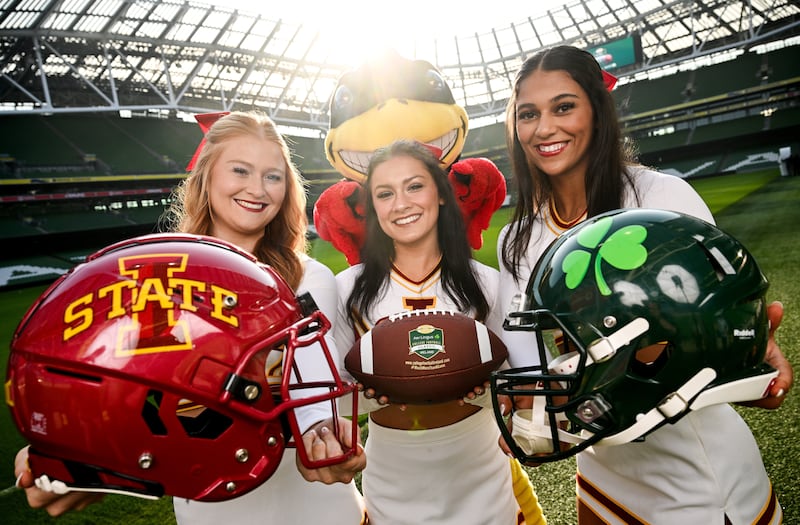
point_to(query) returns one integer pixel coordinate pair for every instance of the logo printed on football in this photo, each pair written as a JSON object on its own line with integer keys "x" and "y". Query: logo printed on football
{"x": 425, "y": 356}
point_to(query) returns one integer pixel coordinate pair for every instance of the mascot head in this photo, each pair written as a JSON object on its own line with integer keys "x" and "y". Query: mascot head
{"x": 387, "y": 99}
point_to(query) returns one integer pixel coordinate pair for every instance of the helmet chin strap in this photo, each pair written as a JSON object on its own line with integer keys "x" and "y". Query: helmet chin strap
{"x": 601, "y": 349}
{"x": 606, "y": 347}
{"x": 746, "y": 389}
{"x": 532, "y": 432}
{"x": 531, "y": 427}
{"x": 672, "y": 405}
{"x": 44, "y": 483}
{"x": 86, "y": 478}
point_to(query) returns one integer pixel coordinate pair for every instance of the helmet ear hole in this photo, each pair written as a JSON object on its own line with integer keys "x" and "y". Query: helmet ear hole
{"x": 199, "y": 421}
{"x": 150, "y": 413}
{"x": 651, "y": 359}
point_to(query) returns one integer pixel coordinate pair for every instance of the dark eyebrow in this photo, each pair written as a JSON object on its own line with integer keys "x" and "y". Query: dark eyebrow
{"x": 562, "y": 96}
{"x": 555, "y": 99}
{"x": 404, "y": 181}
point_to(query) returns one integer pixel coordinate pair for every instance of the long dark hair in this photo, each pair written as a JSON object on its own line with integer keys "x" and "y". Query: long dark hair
{"x": 605, "y": 177}
{"x": 458, "y": 276}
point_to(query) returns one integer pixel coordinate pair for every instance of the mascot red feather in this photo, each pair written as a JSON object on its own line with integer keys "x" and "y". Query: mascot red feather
{"x": 384, "y": 100}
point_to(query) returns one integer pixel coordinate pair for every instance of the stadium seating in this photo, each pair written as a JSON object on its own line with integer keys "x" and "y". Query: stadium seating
{"x": 95, "y": 144}
{"x": 32, "y": 142}
{"x": 693, "y": 123}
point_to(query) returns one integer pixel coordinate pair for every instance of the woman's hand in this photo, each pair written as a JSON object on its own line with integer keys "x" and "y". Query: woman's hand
{"x": 320, "y": 442}
{"x": 774, "y": 357}
{"x": 54, "y": 504}
{"x": 481, "y": 396}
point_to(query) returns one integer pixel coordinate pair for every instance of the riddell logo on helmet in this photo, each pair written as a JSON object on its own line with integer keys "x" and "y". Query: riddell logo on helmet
{"x": 744, "y": 334}
{"x": 151, "y": 293}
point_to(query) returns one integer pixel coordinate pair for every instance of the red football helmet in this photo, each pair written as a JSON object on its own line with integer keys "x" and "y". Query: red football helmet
{"x": 145, "y": 371}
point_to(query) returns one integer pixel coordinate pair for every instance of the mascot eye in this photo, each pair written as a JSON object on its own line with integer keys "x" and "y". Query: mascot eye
{"x": 434, "y": 80}
{"x": 342, "y": 98}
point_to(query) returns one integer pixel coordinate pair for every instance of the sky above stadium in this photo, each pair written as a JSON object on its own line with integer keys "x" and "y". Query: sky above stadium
{"x": 387, "y": 23}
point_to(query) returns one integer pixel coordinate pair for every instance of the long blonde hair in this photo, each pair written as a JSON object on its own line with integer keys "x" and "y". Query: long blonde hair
{"x": 284, "y": 239}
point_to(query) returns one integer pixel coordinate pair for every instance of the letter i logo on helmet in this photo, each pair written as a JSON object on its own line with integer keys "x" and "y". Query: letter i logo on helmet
{"x": 159, "y": 345}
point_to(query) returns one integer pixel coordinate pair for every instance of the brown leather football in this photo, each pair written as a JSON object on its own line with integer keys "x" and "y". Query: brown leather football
{"x": 425, "y": 356}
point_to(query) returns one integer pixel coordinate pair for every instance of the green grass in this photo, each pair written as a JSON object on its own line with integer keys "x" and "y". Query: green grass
{"x": 718, "y": 196}
{"x": 760, "y": 209}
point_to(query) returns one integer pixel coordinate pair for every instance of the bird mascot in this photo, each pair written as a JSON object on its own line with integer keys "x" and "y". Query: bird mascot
{"x": 387, "y": 99}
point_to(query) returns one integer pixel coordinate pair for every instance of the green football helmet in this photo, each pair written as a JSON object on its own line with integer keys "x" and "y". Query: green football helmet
{"x": 640, "y": 316}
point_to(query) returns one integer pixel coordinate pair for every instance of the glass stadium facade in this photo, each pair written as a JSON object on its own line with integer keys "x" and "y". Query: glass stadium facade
{"x": 185, "y": 56}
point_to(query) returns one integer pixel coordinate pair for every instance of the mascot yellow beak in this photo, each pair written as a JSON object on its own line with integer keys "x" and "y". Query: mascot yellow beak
{"x": 390, "y": 99}
{"x": 382, "y": 101}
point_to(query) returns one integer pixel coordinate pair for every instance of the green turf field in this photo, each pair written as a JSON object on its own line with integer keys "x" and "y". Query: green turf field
{"x": 761, "y": 209}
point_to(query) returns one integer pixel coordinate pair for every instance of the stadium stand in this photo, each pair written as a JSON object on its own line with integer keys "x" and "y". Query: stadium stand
{"x": 96, "y": 144}
{"x": 72, "y": 180}
{"x": 31, "y": 145}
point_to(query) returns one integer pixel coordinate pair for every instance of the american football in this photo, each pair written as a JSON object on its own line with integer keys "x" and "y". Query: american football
{"x": 425, "y": 356}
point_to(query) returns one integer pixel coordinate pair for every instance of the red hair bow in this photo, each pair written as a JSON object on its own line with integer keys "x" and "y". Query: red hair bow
{"x": 206, "y": 120}
{"x": 609, "y": 80}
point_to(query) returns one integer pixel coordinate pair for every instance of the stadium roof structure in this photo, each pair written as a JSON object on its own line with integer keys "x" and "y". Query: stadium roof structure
{"x": 169, "y": 56}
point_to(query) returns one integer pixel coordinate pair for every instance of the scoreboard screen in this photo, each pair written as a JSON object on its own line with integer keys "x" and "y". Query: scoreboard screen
{"x": 618, "y": 53}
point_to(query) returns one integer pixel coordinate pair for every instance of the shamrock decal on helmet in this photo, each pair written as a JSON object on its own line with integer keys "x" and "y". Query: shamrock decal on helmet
{"x": 622, "y": 250}
{"x": 674, "y": 321}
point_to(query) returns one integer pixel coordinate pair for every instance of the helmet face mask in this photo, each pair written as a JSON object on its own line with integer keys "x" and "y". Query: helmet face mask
{"x": 144, "y": 371}
{"x": 638, "y": 316}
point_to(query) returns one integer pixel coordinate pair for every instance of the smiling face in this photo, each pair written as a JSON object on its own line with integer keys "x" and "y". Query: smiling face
{"x": 406, "y": 201}
{"x": 246, "y": 189}
{"x": 554, "y": 120}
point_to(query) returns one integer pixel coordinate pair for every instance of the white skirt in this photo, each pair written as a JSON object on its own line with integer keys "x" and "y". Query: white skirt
{"x": 450, "y": 475}
{"x": 702, "y": 469}
{"x": 286, "y": 497}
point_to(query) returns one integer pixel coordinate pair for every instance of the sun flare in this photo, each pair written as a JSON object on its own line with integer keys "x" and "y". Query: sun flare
{"x": 350, "y": 31}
